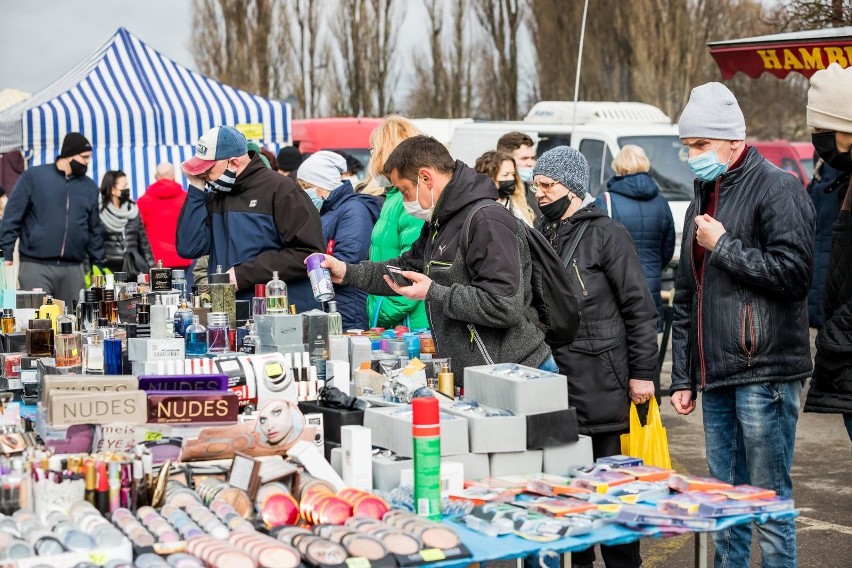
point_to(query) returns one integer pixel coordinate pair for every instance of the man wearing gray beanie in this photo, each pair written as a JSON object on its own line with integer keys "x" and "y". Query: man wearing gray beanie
{"x": 740, "y": 331}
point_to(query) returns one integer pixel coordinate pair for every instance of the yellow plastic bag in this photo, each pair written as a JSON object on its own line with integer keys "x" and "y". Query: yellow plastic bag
{"x": 649, "y": 442}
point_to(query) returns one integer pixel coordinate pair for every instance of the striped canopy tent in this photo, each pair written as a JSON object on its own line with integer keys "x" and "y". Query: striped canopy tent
{"x": 138, "y": 109}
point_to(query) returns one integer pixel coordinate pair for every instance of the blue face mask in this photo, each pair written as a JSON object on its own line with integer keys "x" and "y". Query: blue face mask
{"x": 317, "y": 200}
{"x": 706, "y": 166}
{"x": 526, "y": 174}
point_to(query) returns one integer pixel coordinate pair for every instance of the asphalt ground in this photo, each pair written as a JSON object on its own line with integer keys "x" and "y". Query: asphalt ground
{"x": 822, "y": 489}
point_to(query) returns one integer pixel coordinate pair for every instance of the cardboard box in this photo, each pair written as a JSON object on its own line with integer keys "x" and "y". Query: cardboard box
{"x": 357, "y": 457}
{"x": 338, "y": 348}
{"x": 360, "y": 351}
{"x": 493, "y": 434}
{"x": 519, "y": 389}
{"x": 559, "y": 459}
{"x": 391, "y": 428}
{"x": 550, "y": 429}
{"x": 315, "y": 327}
{"x": 279, "y": 329}
{"x": 476, "y": 466}
{"x": 67, "y": 408}
{"x": 515, "y": 463}
{"x": 149, "y": 350}
{"x": 333, "y": 418}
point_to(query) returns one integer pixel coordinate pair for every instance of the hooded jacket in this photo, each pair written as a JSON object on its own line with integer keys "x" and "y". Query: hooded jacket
{"x": 56, "y": 218}
{"x": 476, "y": 302}
{"x": 746, "y": 320}
{"x": 347, "y": 223}
{"x": 160, "y": 208}
{"x": 617, "y": 337}
{"x": 636, "y": 203}
{"x": 831, "y": 386}
{"x": 394, "y": 233}
{"x": 265, "y": 223}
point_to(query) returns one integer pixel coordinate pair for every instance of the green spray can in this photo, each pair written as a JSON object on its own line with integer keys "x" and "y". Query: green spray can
{"x": 426, "y": 431}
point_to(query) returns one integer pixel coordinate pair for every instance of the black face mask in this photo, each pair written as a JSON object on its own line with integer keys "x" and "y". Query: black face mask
{"x": 506, "y": 188}
{"x": 78, "y": 169}
{"x": 555, "y": 210}
{"x": 826, "y": 146}
{"x": 124, "y": 197}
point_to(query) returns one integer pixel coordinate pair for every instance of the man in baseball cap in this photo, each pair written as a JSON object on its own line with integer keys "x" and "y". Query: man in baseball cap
{"x": 249, "y": 219}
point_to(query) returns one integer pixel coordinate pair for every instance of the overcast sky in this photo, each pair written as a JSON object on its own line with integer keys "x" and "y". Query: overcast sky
{"x": 42, "y": 39}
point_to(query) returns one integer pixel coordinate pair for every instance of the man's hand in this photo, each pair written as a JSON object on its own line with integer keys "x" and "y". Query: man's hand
{"x": 708, "y": 231}
{"x": 416, "y": 291}
{"x": 640, "y": 391}
{"x": 8, "y": 263}
{"x": 336, "y": 268}
{"x": 232, "y": 276}
{"x": 683, "y": 402}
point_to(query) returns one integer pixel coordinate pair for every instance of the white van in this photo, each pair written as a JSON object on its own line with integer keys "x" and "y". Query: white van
{"x": 602, "y": 129}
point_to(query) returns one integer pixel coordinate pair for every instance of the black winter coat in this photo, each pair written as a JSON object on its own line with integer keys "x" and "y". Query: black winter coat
{"x": 617, "y": 337}
{"x": 117, "y": 245}
{"x": 831, "y": 386}
{"x": 747, "y": 321}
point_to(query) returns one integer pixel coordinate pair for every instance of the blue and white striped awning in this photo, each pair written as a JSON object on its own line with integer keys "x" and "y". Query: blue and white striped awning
{"x": 137, "y": 108}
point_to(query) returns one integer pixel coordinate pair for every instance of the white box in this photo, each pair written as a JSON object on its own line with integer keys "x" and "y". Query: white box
{"x": 391, "y": 426}
{"x": 522, "y": 391}
{"x": 515, "y": 463}
{"x": 355, "y": 441}
{"x": 148, "y": 350}
{"x": 559, "y": 459}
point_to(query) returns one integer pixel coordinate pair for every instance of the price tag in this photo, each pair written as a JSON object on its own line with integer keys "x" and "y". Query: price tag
{"x": 153, "y": 436}
{"x": 98, "y": 558}
{"x": 357, "y": 562}
{"x": 251, "y": 130}
{"x": 432, "y": 555}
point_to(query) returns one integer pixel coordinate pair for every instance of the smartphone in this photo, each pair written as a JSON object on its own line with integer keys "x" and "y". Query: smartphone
{"x": 396, "y": 275}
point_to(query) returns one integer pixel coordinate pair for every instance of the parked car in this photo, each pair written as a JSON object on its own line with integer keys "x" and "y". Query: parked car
{"x": 796, "y": 158}
{"x": 350, "y": 135}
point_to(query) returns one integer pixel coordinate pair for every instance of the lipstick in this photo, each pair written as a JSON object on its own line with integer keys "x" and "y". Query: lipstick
{"x": 91, "y": 481}
{"x": 114, "y": 478}
{"x": 102, "y": 493}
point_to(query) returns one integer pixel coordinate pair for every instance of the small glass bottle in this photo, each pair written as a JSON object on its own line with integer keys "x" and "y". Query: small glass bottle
{"x": 195, "y": 339}
{"x": 143, "y": 318}
{"x": 120, "y": 285}
{"x": 93, "y": 357}
{"x": 217, "y": 332}
{"x": 335, "y": 321}
{"x": 161, "y": 278}
{"x": 50, "y": 311}
{"x": 276, "y": 295}
{"x": 223, "y": 295}
{"x": 7, "y": 321}
{"x": 69, "y": 345}
{"x": 75, "y": 323}
{"x": 142, "y": 284}
{"x": 159, "y": 319}
{"x": 250, "y": 341}
{"x": 108, "y": 307}
{"x": 179, "y": 282}
{"x": 98, "y": 287}
{"x": 258, "y": 302}
{"x": 39, "y": 338}
{"x": 89, "y": 310}
{"x": 112, "y": 353}
{"x": 183, "y": 318}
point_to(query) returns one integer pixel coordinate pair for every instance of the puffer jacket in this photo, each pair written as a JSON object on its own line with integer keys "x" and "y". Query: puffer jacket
{"x": 477, "y": 300}
{"x": 635, "y": 202}
{"x": 394, "y": 233}
{"x": 747, "y": 321}
{"x": 347, "y": 222}
{"x": 117, "y": 244}
{"x": 831, "y": 386}
{"x": 617, "y": 337}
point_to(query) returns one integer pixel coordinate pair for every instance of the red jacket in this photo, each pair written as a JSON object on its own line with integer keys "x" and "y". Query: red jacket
{"x": 160, "y": 207}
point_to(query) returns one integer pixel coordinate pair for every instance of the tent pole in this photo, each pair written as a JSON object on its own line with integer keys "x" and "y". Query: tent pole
{"x": 579, "y": 66}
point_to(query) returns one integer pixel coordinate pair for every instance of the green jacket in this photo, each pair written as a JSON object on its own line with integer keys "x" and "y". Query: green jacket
{"x": 393, "y": 234}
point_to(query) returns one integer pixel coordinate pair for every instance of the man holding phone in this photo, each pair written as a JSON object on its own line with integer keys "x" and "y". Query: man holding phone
{"x": 476, "y": 293}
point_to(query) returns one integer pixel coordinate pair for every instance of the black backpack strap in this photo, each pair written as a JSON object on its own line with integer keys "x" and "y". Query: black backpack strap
{"x": 566, "y": 260}
{"x": 466, "y": 227}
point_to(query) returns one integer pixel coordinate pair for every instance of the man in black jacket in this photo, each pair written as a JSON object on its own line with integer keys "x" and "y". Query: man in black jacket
{"x": 54, "y": 211}
{"x": 830, "y": 116}
{"x": 740, "y": 331}
{"x": 476, "y": 299}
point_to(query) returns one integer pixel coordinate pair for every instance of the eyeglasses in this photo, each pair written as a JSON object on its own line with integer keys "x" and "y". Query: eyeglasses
{"x": 544, "y": 186}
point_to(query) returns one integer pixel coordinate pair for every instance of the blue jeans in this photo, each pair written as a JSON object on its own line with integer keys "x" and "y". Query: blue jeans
{"x": 750, "y": 432}
{"x": 549, "y": 365}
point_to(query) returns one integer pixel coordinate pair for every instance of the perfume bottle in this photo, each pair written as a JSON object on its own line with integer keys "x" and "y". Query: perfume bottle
{"x": 98, "y": 287}
{"x": 142, "y": 285}
{"x": 40, "y": 338}
{"x": 7, "y": 321}
{"x": 161, "y": 278}
{"x": 159, "y": 320}
{"x": 179, "y": 282}
{"x": 276, "y": 295}
{"x": 258, "y": 302}
{"x": 120, "y": 284}
{"x": 69, "y": 345}
{"x": 143, "y": 318}
{"x": 195, "y": 339}
{"x": 335, "y": 321}
{"x": 89, "y": 311}
{"x": 49, "y": 311}
{"x": 93, "y": 356}
{"x": 112, "y": 353}
{"x": 223, "y": 296}
{"x": 71, "y": 318}
{"x": 250, "y": 341}
{"x": 183, "y": 318}
{"x": 108, "y": 307}
{"x": 217, "y": 332}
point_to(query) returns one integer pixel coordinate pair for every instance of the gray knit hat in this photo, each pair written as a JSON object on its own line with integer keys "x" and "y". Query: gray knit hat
{"x": 567, "y": 166}
{"x": 712, "y": 112}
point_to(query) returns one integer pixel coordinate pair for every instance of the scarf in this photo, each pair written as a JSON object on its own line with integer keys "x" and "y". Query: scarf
{"x": 115, "y": 219}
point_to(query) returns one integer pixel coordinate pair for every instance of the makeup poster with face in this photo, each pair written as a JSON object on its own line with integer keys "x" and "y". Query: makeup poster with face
{"x": 278, "y": 426}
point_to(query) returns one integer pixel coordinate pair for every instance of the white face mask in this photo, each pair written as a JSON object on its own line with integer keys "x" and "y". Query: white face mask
{"x": 414, "y": 209}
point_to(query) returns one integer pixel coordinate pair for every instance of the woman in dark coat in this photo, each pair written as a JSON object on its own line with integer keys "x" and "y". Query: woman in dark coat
{"x": 126, "y": 247}
{"x": 613, "y": 358}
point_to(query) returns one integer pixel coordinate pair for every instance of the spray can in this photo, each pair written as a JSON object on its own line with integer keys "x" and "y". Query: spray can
{"x": 426, "y": 433}
{"x": 320, "y": 278}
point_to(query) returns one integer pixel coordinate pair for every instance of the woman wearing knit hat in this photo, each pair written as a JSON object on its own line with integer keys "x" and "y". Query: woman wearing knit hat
{"x": 613, "y": 358}
{"x": 347, "y": 222}
{"x": 831, "y": 118}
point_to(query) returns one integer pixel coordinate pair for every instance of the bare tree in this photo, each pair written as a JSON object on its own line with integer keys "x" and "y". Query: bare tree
{"x": 501, "y": 20}
{"x": 383, "y": 40}
{"x": 794, "y": 15}
{"x": 301, "y": 40}
{"x": 234, "y": 42}
{"x": 460, "y": 57}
